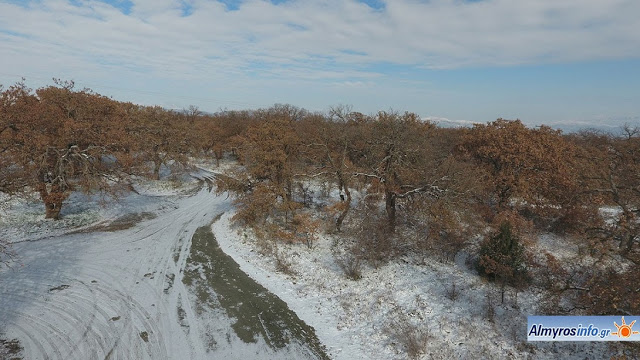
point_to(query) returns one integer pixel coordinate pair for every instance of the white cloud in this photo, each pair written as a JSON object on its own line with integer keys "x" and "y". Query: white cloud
{"x": 298, "y": 40}
{"x": 437, "y": 33}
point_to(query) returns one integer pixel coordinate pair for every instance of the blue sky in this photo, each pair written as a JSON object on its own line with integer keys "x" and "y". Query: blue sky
{"x": 543, "y": 61}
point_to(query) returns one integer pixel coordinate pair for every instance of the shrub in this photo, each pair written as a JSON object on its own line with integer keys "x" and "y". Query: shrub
{"x": 305, "y": 229}
{"x": 372, "y": 240}
{"x": 489, "y": 310}
{"x": 502, "y": 258}
{"x": 412, "y": 338}
{"x": 351, "y": 266}
{"x": 613, "y": 293}
{"x": 574, "y": 219}
{"x": 452, "y": 293}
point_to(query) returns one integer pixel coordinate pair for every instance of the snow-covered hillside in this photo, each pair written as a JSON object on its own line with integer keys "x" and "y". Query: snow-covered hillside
{"x": 384, "y": 314}
{"x": 121, "y": 282}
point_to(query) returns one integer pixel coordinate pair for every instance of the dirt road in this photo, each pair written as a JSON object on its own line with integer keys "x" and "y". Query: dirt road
{"x": 120, "y": 295}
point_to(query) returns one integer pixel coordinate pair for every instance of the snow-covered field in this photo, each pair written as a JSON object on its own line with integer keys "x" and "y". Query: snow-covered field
{"x": 377, "y": 316}
{"x": 94, "y": 295}
{"x": 22, "y": 218}
{"x": 107, "y": 283}
{"x": 87, "y": 290}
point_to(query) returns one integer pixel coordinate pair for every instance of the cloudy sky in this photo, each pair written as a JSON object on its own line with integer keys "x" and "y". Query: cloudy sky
{"x": 543, "y": 61}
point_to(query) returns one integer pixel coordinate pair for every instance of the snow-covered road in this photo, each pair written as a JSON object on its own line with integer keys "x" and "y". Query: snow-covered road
{"x": 117, "y": 294}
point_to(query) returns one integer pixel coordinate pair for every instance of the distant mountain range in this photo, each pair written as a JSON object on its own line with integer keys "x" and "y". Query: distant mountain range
{"x": 612, "y": 126}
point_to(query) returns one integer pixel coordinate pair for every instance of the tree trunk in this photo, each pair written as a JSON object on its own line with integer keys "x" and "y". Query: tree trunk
{"x": 390, "y": 206}
{"x": 289, "y": 190}
{"x": 52, "y": 200}
{"x": 156, "y": 169}
{"x": 344, "y": 212}
{"x": 631, "y": 238}
{"x": 218, "y": 155}
{"x": 504, "y": 195}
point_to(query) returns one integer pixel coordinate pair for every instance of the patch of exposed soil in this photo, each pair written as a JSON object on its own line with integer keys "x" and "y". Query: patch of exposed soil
{"x": 219, "y": 282}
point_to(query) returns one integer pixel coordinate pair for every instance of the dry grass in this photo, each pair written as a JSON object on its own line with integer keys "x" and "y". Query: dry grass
{"x": 412, "y": 338}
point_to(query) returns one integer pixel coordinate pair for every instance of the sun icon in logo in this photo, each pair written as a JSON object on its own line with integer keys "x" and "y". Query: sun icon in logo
{"x": 625, "y": 330}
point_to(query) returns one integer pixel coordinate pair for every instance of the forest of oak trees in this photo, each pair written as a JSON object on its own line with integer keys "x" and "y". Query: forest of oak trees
{"x": 391, "y": 182}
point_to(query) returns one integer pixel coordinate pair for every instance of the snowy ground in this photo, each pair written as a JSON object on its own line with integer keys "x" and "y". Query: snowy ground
{"x": 108, "y": 283}
{"x": 22, "y": 218}
{"x": 379, "y": 315}
{"x": 89, "y": 290}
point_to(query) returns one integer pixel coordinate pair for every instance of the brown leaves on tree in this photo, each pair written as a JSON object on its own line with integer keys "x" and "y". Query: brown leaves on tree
{"x": 57, "y": 139}
{"x": 613, "y": 292}
{"x": 269, "y": 149}
{"x": 61, "y": 140}
{"x": 610, "y": 176}
{"x": 530, "y": 165}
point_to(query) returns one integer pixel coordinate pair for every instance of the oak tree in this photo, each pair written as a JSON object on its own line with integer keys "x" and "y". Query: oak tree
{"x": 327, "y": 146}
{"x": 268, "y": 150}
{"x": 533, "y": 167}
{"x": 611, "y": 177}
{"x": 62, "y": 140}
{"x": 398, "y": 161}
{"x": 162, "y": 138}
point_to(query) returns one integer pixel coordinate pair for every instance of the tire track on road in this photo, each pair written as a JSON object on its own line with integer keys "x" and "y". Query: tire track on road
{"x": 105, "y": 273}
